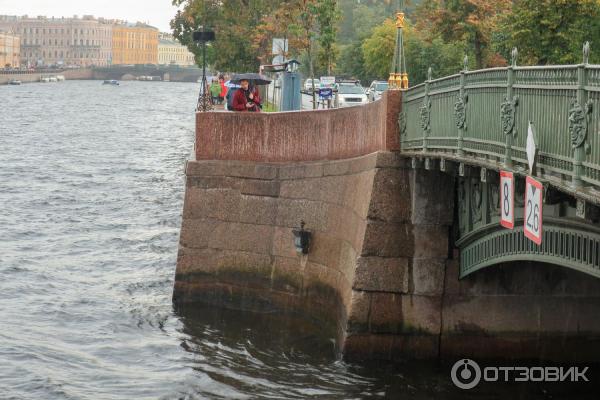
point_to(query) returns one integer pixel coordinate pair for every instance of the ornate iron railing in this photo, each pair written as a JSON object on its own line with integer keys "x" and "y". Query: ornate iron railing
{"x": 483, "y": 116}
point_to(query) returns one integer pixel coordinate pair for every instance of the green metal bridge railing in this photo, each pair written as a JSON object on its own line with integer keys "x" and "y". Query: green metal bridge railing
{"x": 483, "y": 116}
{"x": 479, "y": 120}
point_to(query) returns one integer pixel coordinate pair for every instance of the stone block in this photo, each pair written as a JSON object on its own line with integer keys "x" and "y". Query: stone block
{"x": 338, "y": 167}
{"x": 213, "y": 182}
{"x": 325, "y": 250}
{"x": 291, "y": 212}
{"x": 347, "y": 262}
{"x": 358, "y": 195}
{"x": 258, "y": 210}
{"x": 430, "y": 241}
{"x": 287, "y": 275}
{"x": 252, "y": 170}
{"x": 428, "y": 276}
{"x": 316, "y": 275}
{"x": 196, "y": 233}
{"x": 301, "y": 189}
{"x": 382, "y": 274}
{"x": 222, "y": 204}
{"x": 488, "y": 315}
{"x": 421, "y": 314}
{"x": 301, "y": 170}
{"x": 390, "y": 159}
{"x": 363, "y": 164}
{"x": 386, "y": 315}
{"x": 358, "y": 315}
{"x": 196, "y": 261}
{"x": 242, "y": 237}
{"x": 283, "y": 243}
{"x": 259, "y": 187}
{"x": 390, "y": 199}
{"x": 433, "y": 197}
{"x": 388, "y": 240}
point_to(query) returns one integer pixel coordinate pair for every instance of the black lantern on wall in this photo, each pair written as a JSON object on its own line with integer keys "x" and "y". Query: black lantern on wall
{"x": 301, "y": 239}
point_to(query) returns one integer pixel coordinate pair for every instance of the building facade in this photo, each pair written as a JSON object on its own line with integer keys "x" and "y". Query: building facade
{"x": 10, "y": 50}
{"x": 134, "y": 43}
{"x": 171, "y": 52}
{"x": 84, "y": 41}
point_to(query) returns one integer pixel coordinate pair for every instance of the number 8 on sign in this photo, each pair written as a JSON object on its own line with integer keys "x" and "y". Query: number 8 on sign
{"x": 507, "y": 200}
{"x": 533, "y": 210}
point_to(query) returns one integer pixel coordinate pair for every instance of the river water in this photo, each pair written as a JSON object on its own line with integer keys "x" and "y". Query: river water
{"x": 91, "y": 193}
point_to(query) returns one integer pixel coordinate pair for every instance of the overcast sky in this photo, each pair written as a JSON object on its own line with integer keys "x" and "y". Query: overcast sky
{"x": 157, "y": 13}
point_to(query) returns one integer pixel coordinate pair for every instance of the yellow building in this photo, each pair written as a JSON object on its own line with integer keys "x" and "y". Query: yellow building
{"x": 171, "y": 52}
{"x": 10, "y": 50}
{"x": 134, "y": 44}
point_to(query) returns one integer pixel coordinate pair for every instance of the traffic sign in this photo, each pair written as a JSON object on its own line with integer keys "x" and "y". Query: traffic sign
{"x": 507, "y": 200}
{"x": 325, "y": 93}
{"x": 533, "y": 210}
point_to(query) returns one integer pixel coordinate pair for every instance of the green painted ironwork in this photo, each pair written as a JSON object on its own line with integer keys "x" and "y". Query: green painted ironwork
{"x": 483, "y": 115}
{"x": 567, "y": 239}
{"x": 478, "y": 120}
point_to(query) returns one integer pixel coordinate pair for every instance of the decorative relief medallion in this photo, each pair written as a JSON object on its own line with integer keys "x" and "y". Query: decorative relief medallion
{"x": 508, "y": 110}
{"x": 578, "y": 122}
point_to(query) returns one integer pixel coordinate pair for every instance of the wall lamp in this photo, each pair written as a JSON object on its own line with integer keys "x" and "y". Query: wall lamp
{"x": 301, "y": 239}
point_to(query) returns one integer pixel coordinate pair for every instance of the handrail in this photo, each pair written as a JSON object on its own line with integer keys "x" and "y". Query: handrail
{"x": 485, "y": 115}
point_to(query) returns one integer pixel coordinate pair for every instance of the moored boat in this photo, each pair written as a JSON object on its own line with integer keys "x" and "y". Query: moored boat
{"x": 111, "y": 82}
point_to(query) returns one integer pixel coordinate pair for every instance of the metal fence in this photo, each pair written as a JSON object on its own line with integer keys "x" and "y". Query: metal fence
{"x": 484, "y": 115}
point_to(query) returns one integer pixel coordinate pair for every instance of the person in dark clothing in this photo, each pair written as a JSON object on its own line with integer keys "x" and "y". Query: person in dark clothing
{"x": 246, "y": 98}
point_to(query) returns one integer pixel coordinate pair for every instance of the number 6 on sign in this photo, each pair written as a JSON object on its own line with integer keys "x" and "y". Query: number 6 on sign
{"x": 533, "y": 210}
{"x": 507, "y": 200}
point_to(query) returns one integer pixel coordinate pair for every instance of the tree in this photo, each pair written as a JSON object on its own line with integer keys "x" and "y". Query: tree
{"x": 327, "y": 16}
{"x": 551, "y": 31}
{"x": 421, "y": 52}
{"x": 234, "y": 22}
{"x": 468, "y": 21}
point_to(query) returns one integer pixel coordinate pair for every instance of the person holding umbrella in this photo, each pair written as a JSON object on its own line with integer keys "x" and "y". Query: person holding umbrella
{"x": 246, "y": 98}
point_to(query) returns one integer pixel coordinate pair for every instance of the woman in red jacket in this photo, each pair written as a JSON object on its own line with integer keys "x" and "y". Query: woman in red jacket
{"x": 246, "y": 99}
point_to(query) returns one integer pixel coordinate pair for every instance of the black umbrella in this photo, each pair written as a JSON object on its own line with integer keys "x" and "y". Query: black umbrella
{"x": 255, "y": 79}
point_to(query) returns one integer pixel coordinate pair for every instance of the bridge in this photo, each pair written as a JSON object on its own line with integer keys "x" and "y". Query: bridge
{"x": 387, "y": 224}
{"x": 477, "y": 122}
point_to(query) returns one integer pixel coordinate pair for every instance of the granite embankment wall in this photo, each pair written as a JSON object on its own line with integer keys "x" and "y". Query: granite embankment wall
{"x": 119, "y": 73}
{"x": 71, "y": 74}
{"x": 381, "y": 274}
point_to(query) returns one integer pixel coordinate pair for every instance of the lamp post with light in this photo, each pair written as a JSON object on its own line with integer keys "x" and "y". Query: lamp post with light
{"x": 398, "y": 76}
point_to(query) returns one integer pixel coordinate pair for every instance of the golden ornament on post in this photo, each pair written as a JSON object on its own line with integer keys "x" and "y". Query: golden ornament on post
{"x": 400, "y": 20}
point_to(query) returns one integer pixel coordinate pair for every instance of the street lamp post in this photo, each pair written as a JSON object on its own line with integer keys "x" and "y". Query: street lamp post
{"x": 398, "y": 76}
{"x": 203, "y": 36}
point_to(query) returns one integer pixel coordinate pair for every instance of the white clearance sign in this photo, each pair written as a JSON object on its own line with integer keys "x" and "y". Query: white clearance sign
{"x": 533, "y": 210}
{"x": 507, "y": 200}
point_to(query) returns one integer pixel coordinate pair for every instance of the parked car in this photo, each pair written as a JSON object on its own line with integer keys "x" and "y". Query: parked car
{"x": 350, "y": 94}
{"x": 308, "y": 84}
{"x": 376, "y": 89}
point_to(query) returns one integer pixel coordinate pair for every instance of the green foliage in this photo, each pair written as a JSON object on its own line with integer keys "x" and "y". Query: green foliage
{"x": 421, "y": 53}
{"x": 551, "y": 31}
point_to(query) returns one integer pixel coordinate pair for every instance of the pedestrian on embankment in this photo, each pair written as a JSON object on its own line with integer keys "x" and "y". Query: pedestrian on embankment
{"x": 223, "y": 89}
{"x": 215, "y": 91}
{"x": 246, "y": 98}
